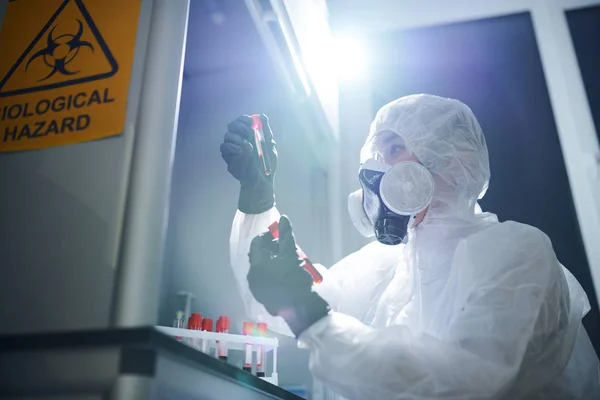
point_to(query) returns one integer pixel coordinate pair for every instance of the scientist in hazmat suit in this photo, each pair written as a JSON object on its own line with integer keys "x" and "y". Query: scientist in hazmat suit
{"x": 447, "y": 303}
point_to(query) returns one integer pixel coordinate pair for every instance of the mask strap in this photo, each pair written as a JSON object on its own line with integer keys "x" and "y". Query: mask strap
{"x": 411, "y": 222}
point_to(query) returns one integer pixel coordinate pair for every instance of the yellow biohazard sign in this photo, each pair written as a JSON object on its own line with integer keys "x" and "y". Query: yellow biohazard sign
{"x": 65, "y": 67}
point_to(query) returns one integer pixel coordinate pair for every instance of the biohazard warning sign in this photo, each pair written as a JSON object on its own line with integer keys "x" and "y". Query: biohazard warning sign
{"x": 65, "y": 67}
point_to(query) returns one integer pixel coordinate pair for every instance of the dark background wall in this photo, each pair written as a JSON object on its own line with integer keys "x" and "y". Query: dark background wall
{"x": 584, "y": 25}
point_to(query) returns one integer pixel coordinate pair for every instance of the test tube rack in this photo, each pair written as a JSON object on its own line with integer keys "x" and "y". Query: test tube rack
{"x": 234, "y": 342}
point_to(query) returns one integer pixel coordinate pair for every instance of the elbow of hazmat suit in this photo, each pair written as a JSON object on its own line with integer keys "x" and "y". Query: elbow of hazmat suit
{"x": 466, "y": 307}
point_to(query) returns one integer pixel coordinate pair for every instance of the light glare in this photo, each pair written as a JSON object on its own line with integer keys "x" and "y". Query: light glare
{"x": 350, "y": 56}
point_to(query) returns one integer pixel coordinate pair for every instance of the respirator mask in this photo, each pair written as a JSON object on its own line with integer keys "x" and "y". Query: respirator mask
{"x": 390, "y": 199}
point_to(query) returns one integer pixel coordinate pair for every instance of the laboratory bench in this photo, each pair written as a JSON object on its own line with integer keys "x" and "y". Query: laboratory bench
{"x": 136, "y": 363}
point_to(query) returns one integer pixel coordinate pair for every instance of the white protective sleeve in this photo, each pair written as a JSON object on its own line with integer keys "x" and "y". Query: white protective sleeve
{"x": 354, "y": 285}
{"x": 506, "y": 286}
{"x": 246, "y": 227}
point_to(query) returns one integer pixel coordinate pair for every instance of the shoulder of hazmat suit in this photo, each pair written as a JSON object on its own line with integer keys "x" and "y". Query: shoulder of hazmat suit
{"x": 467, "y": 308}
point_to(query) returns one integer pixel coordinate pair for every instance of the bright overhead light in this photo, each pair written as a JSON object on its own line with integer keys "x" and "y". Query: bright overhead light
{"x": 350, "y": 56}
{"x": 341, "y": 56}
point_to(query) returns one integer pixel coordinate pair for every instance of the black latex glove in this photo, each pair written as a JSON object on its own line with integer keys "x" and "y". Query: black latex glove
{"x": 278, "y": 281}
{"x": 257, "y": 194}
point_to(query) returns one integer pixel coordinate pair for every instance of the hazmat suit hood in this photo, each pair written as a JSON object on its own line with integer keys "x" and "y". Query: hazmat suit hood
{"x": 447, "y": 139}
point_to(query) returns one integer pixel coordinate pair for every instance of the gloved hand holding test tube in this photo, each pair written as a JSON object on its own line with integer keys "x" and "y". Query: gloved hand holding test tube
{"x": 251, "y": 156}
{"x": 307, "y": 264}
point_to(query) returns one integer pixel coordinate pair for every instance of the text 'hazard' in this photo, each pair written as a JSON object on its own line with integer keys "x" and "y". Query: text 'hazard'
{"x": 34, "y": 120}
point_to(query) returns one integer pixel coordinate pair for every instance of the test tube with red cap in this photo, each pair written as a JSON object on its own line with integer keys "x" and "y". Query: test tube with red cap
{"x": 226, "y": 323}
{"x": 207, "y": 326}
{"x": 261, "y": 328}
{"x": 223, "y": 327}
{"x": 195, "y": 323}
{"x": 219, "y": 329}
{"x": 260, "y": 145}
{"x": 307, "y": 264}
{"x": 247, "y": 329}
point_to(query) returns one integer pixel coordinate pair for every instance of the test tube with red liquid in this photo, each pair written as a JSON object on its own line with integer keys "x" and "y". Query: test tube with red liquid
{"x": 307, "y": 264}
{"x": 261, "y": 328}
{"x": 223, "y": 327}
{"x": 247, "y": 329}
{"x": 207, "y": 326}
{"x": 195, "y": 323}
{"x": 219, "y": 329}
{"x": 259, "y": 143}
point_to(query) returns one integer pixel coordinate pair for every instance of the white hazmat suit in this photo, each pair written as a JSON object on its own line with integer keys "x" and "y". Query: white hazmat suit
{"x": 468, "y": 308}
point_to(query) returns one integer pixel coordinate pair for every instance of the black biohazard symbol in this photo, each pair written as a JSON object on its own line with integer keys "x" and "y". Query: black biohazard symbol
{"x": 60, "y": 51}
